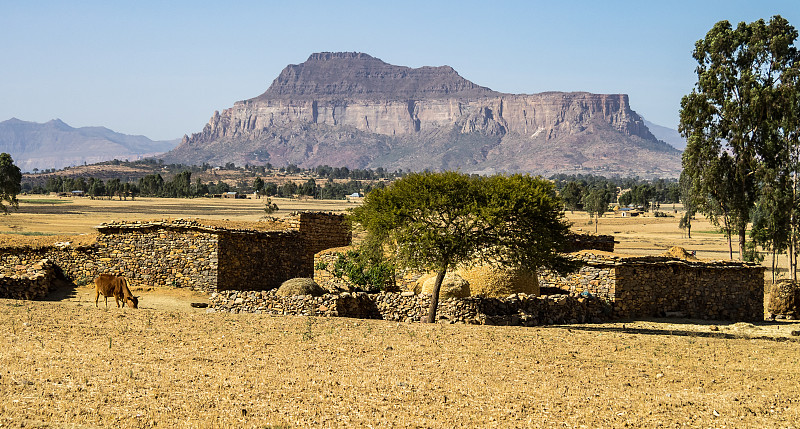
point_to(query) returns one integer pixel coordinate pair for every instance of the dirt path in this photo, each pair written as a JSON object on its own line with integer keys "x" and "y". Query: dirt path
{"x": 173, "y": 299}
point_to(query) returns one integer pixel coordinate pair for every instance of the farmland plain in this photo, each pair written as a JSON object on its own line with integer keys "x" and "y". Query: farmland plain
{"x": 65, "y": 363}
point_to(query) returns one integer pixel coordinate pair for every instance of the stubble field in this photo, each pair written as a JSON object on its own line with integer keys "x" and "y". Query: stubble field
{"x": 65, "y": 363}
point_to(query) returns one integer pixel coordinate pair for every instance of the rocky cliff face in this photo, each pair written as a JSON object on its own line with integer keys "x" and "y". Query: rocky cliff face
{"x": 354, "y": 110}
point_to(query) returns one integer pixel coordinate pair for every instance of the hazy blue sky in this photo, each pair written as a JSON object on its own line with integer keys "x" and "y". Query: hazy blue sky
{"x": 161, "y": 68}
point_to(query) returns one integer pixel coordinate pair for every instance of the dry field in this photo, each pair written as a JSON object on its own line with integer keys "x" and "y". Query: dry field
{"x": 65, "y": 363}
{"x": 67, "y": 215}
{"x": 68, "y": 364}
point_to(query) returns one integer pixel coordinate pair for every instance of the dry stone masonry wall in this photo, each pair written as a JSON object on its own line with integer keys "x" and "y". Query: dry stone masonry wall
{"x": 520, "y": 309}
{"x": 660, "y": 286}
{"x": 218, "y": 259}
{"x": 202, "y": 255}
{"x": 27, "y": 281}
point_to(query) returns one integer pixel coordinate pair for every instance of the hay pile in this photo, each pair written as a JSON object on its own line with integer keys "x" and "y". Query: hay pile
{"x": 300, "y": 286}
{"x": 680, "y": 253}
{"x": 499, "y": 282}
{"x": 453, "y": 286}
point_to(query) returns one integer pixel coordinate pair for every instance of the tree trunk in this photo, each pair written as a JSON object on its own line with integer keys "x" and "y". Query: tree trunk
{"x": 435, "y": 295}
{"x": 689, "y": 229}
{"x": 793, "y": 259}
{"x": 596, "y": 219}
{"x": 742, "y": 240}
{"x": 730, "y": 246}
{"x": 773, "y": 264}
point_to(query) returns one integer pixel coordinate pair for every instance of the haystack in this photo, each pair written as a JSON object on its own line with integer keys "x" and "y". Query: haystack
{"x": 680, "y": 253}
{"x": 300, "y": 286}
{"x": 784, "y": 298}
{"x": 499, "y": 282}
{"x": 453, "y": 286}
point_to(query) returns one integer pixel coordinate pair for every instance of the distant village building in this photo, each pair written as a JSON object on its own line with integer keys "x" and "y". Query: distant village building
{"x": 355, "y": 196}
{"x": 628, "y": 212}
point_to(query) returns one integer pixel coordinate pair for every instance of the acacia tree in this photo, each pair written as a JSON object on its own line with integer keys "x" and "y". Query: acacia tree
{"x": 437, "y": 221}
{"x": 10, "y": 182}
{"x": 730, "y": 115}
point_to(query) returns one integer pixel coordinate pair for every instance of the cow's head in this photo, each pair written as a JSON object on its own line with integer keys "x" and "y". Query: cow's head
{"x": 133, "y": 301}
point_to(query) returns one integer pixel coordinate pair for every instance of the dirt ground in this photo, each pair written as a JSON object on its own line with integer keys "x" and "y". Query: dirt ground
{"x": 66, "y": 363}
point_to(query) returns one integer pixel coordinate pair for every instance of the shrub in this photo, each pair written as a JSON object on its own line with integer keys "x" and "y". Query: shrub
{"x": 365, "y": 272}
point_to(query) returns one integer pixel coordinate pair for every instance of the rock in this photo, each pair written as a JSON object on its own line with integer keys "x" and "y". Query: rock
{"x": 300, "y": 286}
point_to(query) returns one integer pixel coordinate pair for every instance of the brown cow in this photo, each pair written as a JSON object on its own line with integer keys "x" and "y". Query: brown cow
{"x": 117, "y": 287}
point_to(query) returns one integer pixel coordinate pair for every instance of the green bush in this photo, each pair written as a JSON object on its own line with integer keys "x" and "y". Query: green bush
{"x": 367, "y": 273}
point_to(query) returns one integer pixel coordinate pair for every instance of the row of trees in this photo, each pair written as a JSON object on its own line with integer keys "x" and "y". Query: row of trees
{"x": 181, "y": 186}
{"x": 575, "y": 191}
{"x": 319, "y": 172}
{"x": 742, "y": 124}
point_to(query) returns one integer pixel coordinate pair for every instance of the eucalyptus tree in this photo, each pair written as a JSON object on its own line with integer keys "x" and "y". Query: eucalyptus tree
{"x": 438, "y": 221}
{"x": 730, "y": 115}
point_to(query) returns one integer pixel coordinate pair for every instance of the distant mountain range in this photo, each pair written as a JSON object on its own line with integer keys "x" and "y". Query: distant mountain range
{"x": 351, "y": 109}
{"x": 668, "y": 135}
{"x": 55, "y": 144}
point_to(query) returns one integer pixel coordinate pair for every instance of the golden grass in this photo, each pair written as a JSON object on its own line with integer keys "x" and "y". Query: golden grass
{"x": 72, "y": 364}
{"x": 66, "y": 363}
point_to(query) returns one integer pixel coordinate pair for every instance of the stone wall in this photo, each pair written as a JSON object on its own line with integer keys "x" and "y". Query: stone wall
{"x": 202, "y": 255}
{"x": 723, "y": 291}
{"x": 324, "y": 230}
{"x": 159, "y": 255}
{"x": 523, "y": 310}
{"x": 577, "y": 242}
{"x": 257, "y": 261}
{"x": 659, "y": 286}
{"x": 29, "y": 281}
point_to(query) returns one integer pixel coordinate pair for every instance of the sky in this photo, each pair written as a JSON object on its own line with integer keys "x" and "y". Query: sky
{"x": 161, "y": 68}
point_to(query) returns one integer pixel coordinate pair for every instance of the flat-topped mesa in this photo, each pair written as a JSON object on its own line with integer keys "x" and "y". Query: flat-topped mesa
{"x": 355, "y": 75}
{"x": 351, "y": 109}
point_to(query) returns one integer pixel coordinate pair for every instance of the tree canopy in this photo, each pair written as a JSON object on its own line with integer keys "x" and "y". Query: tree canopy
{"x": 437, "y": 221}
{"x": 735, "y": 117}
{"x": 10, "y": 182}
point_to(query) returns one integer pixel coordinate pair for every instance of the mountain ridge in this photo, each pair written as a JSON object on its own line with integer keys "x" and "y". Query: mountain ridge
{"x": 354, "y": 110}
{"x": 55, "y": 144}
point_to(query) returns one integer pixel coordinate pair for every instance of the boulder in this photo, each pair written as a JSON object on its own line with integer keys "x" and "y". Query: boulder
{"x": 499, "y": 282}
{"x": 453, "y": 286}
{"x": 300, "y": 286}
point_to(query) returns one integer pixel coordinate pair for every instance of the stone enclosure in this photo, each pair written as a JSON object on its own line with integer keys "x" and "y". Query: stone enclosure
{"x": 203, "y": 255}
{"x": 230, "y": 259}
